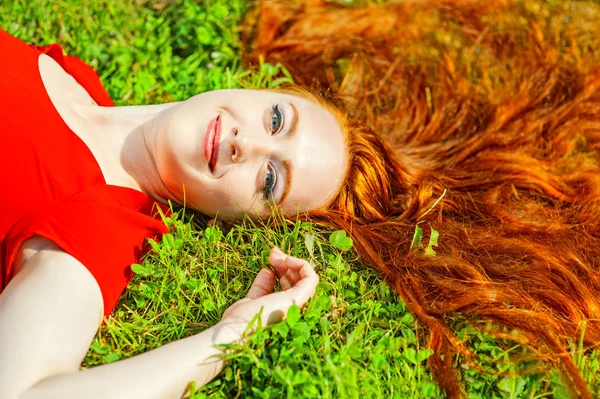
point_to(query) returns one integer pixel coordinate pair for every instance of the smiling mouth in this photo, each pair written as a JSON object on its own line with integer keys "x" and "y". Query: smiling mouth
{"x": 211, "y": 142}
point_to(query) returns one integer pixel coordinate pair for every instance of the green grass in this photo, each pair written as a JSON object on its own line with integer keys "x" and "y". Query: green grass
{"x": 355, "y": 339}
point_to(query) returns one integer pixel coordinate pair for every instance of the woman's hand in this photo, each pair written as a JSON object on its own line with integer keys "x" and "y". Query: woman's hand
{"x": 298, "y": 282}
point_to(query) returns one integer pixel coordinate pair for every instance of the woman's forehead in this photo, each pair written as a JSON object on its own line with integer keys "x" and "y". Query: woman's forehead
{"x": 319, "y": 156}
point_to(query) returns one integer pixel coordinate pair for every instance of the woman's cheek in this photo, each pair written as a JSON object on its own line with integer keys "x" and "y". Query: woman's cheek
{"x": 235, "y": 198}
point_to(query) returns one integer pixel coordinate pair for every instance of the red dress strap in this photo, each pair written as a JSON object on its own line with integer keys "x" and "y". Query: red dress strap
{"x": 82, "y": 72}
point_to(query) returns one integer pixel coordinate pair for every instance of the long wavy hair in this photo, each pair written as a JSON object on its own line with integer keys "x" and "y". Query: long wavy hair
{"x": 482, "y": 120}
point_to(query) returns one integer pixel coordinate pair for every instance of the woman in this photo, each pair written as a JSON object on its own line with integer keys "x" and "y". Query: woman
{"x": 493, "y": 112}
{"x": 82, "y": 180}
{"x": 510, "y": 180}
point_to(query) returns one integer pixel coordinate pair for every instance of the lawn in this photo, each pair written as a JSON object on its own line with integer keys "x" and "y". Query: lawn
{"x": 356, "y": 338}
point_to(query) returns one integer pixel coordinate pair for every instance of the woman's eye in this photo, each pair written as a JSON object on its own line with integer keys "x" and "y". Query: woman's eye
{"x": 276, "y": 119}
{"x": 270, "y": 180}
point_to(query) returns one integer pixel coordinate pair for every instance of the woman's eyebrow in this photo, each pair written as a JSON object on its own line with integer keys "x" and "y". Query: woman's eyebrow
{"x": 287, "y": 181}
{"x": 294, "y": 122}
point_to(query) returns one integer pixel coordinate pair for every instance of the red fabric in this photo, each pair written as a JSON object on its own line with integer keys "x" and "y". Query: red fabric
{"x": 52, "y": 186}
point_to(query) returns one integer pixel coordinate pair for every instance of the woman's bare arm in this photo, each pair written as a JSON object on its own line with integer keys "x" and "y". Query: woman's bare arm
{"x": 50, "y": 312}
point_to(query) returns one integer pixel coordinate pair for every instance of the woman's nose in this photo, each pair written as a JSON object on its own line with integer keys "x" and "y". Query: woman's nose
{"x": 245, "y": 145}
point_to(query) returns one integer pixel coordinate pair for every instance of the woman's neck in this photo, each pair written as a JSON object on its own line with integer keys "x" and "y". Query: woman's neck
{"x": 120, "y": 136}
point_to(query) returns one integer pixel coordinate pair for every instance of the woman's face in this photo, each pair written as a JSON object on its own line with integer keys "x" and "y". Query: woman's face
{"x": 232, "y": 152}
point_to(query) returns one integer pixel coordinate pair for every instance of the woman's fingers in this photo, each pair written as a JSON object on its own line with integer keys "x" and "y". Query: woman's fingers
{"x": 282, "y": 262}
{"x": 294, "y": 274}
{"x": 277, "y": 260}
{"x": 263, "y": 284}
{"x": 307, "y": 283}
{"x": 276, "y": 256}
{"x": 274, "y": 306}
{"x": 297, "y": 277}
{"x": 286, "y": 267}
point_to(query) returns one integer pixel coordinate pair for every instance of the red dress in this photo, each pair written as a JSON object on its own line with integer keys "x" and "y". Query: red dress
{"x": 52, "y": 186}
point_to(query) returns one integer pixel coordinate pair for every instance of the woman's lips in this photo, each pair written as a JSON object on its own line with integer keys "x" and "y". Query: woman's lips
{"x": 211, "y": 142}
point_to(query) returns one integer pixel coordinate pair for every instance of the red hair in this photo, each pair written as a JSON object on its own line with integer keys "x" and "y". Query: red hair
{"x": 481, "y": 118}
